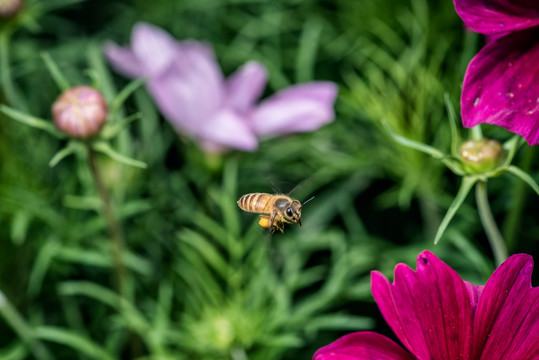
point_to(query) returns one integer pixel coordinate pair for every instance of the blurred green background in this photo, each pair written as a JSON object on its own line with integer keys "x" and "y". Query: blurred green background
{"x": 204, "y": 280}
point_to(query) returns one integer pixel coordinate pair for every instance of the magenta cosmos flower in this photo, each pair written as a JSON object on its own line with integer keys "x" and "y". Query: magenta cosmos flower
{"x": 501, "y": 85}
{"x": 189, "y": 88}
{"x": 438, "y": 316}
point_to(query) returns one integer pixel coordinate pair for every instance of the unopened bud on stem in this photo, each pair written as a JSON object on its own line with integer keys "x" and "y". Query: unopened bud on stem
{"x": 80, "y": 112}
{"x": 9, "y": 8}
{"x": 482, "y": 155}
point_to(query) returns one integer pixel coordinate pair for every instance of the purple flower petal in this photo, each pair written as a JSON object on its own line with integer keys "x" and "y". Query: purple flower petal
{"x": 245, "y": 86}
{"x": 123, "y": 60}
{"x": 498, "y": 16}
{"x": 299, "y": 108}
{"x": 507, "y": 316}
{"x": 153, "y": 47}
{"x": 363, "y": 345}
{"x": 227, "y": 129}
{"x": 501, "y": 85}
{"x": 429, "y": 309}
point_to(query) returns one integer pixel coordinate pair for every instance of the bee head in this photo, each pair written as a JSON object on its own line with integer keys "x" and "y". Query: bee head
{"x": 292, "y": 213}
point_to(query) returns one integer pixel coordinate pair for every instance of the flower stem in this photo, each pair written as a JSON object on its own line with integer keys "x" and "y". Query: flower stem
{"x": 494, "y": 236}
{"x": 113, "y": 225}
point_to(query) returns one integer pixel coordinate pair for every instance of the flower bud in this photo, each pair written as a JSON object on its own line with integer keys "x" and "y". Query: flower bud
{"x": 9, "y": 8}
{"x": 80, "y": 112}
{"x": 480, "y": 156}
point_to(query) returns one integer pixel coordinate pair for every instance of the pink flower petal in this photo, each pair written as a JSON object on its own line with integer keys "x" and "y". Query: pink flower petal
{"x": 298, "y": 108}
{"x": 495, "y": 16}
{"x": 229, "y": 130}
{"x": 154, "y": 48}
{"x": 190, "y": 91}
{"x": 428, "y": 309}
{"x": 501, "y": 85}
{"x": 245, "y": 86}
{"x": 123, "y": 60}
{"x": 363, "y": 346}
{"x": 507, "y": 316}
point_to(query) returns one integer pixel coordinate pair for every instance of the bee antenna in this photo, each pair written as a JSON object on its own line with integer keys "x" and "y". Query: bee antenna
{"x": 306, "y": 201}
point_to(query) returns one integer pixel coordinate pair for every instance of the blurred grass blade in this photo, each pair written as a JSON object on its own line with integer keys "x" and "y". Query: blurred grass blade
{"x": 106, "y": 149}
{"x": 16, "y": 351}
{"x": 131, "y": 315}
{"x": 19, "y": 226}
{"x": 73, "y": 340}
{"x": 524, "y": 177}
{"x": 30, "y": 120}
{"x": 56, "y": 74}
{"x": 41, "y": 265}
{"x": 308, "y": 46}
{"x": 455, "y": 137}
{"x": 465, "y": 187}
{"x": 22, "y": 329}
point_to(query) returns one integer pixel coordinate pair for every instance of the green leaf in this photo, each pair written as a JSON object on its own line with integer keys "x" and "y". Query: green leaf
{"x": 31, "y": 120}
{"x": 106, "y": 149}
{"x": 71, "y": 339}
{"x": 465, "y": 187}
{"x": 71, "y": 148}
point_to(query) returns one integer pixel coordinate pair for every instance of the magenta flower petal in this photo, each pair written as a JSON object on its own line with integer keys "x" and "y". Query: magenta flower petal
{"x": 498, "y": 16}
{"x": 501, "y": 85}
{"x": 123, "y": 60}
{"x": 363, "y": 345}
{"x": 245, "y": 86}
{"x": 154, "y": 48}
{"x": 507, "y": 316}
{"x": 299, "y": 108}
{"x": 229, "y": 130}
{"x": 429, "y": 309}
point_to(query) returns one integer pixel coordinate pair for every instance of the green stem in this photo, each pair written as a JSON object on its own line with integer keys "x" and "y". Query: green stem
{"x": 14, "y": 319}
{"x": 494, "y": 236}
{"x": 511, "y": 224}
{"x": 113, "y": 225}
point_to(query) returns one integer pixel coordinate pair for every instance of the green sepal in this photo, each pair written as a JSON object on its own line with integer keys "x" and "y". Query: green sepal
{"x": 452, "y": 164}
{"x": 465, "y": 187}
{"x": 110, "y": 129}
{"x": 32, "y": 121}
{"x": 117, "y": 102}
{"x": 106, "y": 149}
{"x": 524, "y": 177}
{"x": 70, "y": 148}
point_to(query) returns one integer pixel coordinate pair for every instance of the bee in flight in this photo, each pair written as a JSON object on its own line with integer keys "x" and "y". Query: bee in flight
{"x": 277, "y": 209}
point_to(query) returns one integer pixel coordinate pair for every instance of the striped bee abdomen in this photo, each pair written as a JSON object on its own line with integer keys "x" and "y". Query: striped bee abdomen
{"x": 256, "y": 202}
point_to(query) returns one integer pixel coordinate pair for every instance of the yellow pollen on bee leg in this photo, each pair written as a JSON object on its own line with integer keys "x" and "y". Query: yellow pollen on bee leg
{"x": 264, "y": 222}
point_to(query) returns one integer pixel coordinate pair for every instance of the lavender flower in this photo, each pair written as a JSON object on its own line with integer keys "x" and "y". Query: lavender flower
{"x": 438, "y": 316}
{"x": 501, "y": 85}
{"x": 190, "y": 90}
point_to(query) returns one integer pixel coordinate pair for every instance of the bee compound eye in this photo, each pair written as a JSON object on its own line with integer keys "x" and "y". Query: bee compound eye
{"x": 289, "y": 211}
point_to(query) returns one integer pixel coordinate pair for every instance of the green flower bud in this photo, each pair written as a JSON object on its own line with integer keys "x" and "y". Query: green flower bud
{"x": 80, "y": 112}
{"x": 9, "y": 8}
{"x": 480, "y": 156}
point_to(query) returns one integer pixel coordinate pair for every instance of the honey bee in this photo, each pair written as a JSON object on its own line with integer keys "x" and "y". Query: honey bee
{"x": 277, "y": 209}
